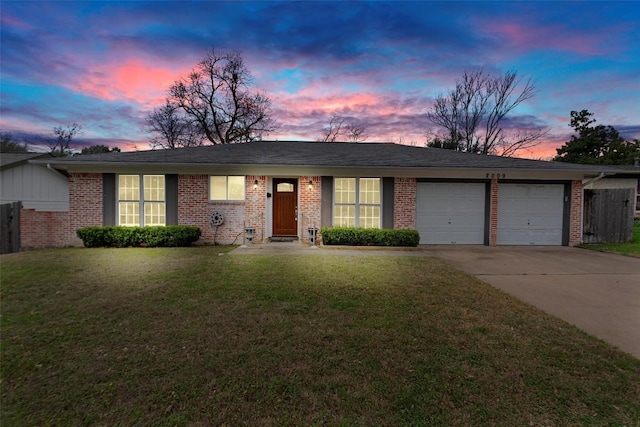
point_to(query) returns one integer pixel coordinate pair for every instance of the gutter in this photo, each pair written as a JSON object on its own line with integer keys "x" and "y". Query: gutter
{"x": 592, "y": 180}
{"x": 57, "y": 171}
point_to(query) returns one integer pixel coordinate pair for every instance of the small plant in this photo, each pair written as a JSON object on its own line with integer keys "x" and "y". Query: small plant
{"x": 353, "y": 236}
{"x": 122, "y": 237}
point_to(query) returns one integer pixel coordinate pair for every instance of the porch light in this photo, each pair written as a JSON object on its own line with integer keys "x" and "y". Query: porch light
{"x": 255, "y": 184}
{"x": 310, "y": 184}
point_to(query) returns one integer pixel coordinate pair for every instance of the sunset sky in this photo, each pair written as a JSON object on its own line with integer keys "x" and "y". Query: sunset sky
{"x": 106, "y": 65}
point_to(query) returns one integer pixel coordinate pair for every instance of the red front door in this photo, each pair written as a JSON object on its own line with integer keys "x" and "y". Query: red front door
{"x": 285, "y": 207}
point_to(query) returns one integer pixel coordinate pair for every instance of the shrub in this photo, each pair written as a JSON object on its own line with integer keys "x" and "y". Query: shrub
{"x": 353, "y": 236}
{"x": 122, "y": 237}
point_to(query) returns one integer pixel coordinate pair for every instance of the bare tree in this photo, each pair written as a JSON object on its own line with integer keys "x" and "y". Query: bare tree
{"x": 60, "y": 144}
{"x": 355, "y": 132}
{"x": 331, "y": 132}
{"x": 338, "y": 126}
{"x": 472, "y": 114}
{"x": 172, "y": 129}
{"x": 215, "y": 95}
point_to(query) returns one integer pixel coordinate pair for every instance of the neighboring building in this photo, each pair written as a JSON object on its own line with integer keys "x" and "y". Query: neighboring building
{"x": 44, "y": 193}
{"x": 284, "y": 188}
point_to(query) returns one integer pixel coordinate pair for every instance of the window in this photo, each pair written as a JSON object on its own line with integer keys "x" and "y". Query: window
{"x": 226, "y": 187}
{"x": 141, "y": 200}
{"x": 356, "y": 202}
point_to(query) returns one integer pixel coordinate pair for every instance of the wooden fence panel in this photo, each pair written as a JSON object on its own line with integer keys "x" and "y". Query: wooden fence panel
{"x": 10, "y": 227}
{"x": 608, "y": 216}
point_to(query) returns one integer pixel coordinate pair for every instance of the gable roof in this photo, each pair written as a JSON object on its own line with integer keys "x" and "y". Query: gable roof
{"x": 11, "y": 160}
{"x": 316, "y": 154}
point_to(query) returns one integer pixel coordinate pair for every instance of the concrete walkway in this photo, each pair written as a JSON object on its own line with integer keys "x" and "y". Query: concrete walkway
{"x": 597, "y": 292}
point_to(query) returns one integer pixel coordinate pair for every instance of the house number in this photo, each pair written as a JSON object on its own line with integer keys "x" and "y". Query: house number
{"x": 496, "y": 175}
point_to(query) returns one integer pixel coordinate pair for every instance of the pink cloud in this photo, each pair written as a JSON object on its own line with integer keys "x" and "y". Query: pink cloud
{"x": 525, "y": 37}
{"x": 133, "y": 80}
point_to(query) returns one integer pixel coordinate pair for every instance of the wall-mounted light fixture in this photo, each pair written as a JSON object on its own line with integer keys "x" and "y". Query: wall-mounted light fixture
{"x": 310, "y": 184}
{"x": 255, "y": 184}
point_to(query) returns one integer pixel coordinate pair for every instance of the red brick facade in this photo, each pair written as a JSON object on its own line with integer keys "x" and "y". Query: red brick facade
{"x": 85, "y": 203}
{"x": 404, "y": 203}
{"x": 575, "y": 218}
{"x": 46, "y": 229}
{"x": 43, "y": 229}
{"x": 309, "y": 199}
{"x": 194, "y": 208}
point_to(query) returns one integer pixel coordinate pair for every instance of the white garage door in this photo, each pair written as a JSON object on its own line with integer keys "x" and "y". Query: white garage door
{"x": 450, "y": 213}
{"x": 530, "y": 214}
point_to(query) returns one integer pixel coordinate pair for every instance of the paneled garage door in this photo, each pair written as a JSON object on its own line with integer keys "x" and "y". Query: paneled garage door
{"x": 530, "y": 214}
{"x": 450, "y": 213}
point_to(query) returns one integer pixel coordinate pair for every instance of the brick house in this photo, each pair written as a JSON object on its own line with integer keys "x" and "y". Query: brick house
{"x": 44, "y": 195}
{"x": 280, "y": 189}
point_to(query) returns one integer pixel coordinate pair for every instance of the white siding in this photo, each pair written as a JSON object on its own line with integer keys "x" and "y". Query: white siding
{"x": 36, "y": 187}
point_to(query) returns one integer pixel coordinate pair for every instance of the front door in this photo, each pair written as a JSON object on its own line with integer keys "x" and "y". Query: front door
{"x": 285, "y": 207}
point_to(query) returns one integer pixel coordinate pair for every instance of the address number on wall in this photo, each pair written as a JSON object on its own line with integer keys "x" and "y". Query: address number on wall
{"x": 496, "y": 175}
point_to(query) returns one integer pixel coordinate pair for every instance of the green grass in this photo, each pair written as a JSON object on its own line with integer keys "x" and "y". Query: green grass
{"x": 630, "y": 249}
{"x": 171, "y": 337}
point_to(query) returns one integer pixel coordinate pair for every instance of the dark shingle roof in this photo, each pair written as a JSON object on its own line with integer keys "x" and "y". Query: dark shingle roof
{"x": 10, "y": 160}
{"x": 294, "y": 153}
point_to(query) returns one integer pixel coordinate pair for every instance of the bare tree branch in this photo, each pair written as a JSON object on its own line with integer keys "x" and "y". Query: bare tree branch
{"x": 60, "y": 145}
{"x": 216, "y": 97}
{"x": 472, "y": 114}
{"x": 171, "y": 129}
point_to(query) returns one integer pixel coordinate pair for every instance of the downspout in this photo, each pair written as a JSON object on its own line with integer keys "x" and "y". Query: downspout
{"x": 592, "y": 180}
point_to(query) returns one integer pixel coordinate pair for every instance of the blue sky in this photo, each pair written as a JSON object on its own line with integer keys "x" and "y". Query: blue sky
{"x": 106, "y": 65}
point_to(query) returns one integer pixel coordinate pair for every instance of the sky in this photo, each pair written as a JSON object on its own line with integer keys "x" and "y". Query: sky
{"x": 107, "y": 65}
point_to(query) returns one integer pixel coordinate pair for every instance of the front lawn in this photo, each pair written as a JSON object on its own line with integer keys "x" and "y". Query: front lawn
{"x": 171, "y": 337}
{"x": 630, "y": 249}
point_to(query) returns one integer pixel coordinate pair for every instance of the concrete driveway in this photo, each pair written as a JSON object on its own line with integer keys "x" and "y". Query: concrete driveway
{"x": 598, "y": 292}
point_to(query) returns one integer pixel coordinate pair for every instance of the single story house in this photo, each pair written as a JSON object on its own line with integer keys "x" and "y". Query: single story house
{"x": 44, "y": 195}
{"x": 281, "y": 189}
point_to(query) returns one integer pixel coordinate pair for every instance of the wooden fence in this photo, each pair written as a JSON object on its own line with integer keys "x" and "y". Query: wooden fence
{"x": 608, "y": 215}
{"x": 10, "y": 227}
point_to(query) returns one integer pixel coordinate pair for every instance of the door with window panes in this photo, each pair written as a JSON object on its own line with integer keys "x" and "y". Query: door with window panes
{"x": 285, "y": 207}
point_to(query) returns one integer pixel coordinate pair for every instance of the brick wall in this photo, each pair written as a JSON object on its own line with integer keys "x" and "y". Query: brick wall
{"x": 194, "y": 208}
{"x": 85, "y": 203}
{"x": 255, "y": 208}
{"x": 310, "y": 199}
{"x": 404, "y": 203}
{"x": 575, "y": 224}
{"x": 43, "y": 229}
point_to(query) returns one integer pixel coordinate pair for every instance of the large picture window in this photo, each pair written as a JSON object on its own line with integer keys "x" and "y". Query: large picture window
{"x": 141, "y": 200}
{"x": 226, "y": 187}
{"x": 356, "y": 202}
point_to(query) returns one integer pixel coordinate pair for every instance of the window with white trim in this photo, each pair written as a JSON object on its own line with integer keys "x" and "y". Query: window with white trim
{"x": 141, "y": 200}
{"x": 356, "y": 202}
{"x": 226, "y": 187}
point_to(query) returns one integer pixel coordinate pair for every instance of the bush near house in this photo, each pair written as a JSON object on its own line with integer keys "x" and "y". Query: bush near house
{"x": 122, "y": 237}
{"x": 353, "y": 236}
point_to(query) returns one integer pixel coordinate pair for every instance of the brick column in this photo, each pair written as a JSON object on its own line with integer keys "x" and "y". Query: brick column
{"x": 256, "y": 205}
{"x": 575, "y": 225}
{"x": 310, "y": 205}
{"x": 85, "y": 203}
{"x": 404, "y": 203}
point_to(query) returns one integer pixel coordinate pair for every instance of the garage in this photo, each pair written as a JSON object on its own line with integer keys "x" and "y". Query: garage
{"x": 451, "y": 212}
{"x": 530, "y": 214}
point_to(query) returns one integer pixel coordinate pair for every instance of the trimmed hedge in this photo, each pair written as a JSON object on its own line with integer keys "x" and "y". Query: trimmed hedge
{"x": 353, "y": 236}
{"x": 122, "y": 237}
